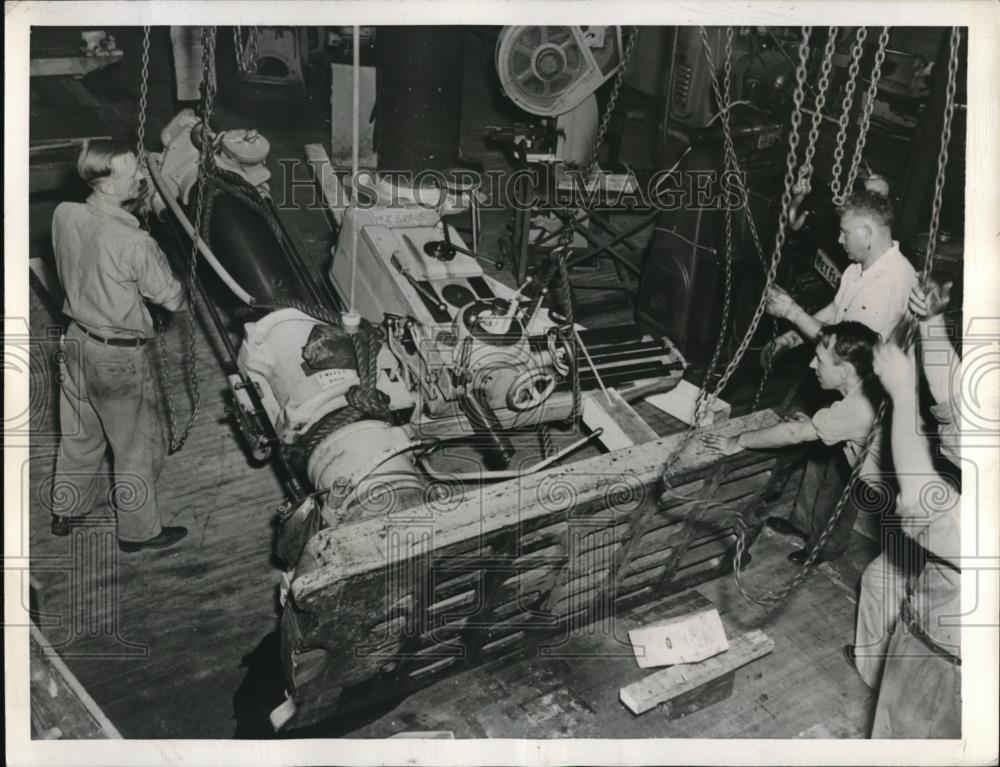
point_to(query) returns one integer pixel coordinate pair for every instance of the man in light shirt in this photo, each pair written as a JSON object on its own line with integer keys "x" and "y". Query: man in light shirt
{"x": 843, "y": 364}
{"x": 874, "y": 290}
{"x": 109, "y": 267}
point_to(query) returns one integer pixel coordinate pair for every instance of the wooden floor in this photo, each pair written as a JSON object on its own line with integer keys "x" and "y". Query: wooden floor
{"x": 182, "y": 643}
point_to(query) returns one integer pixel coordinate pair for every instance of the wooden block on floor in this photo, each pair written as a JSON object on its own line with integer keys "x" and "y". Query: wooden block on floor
{"x": 671, "y": 683}
{"x": 700, "y": 697}
{"x": 621, "y": 424}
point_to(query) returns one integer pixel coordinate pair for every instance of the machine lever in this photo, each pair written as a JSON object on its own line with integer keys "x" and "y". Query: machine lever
{"x": 429, "y": 295}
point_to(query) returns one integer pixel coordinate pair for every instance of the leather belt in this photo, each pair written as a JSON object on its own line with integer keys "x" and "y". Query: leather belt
{"x": 129, "y": 342}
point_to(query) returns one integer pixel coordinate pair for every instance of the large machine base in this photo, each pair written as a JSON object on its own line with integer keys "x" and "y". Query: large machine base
{"x": 380, "y": 608}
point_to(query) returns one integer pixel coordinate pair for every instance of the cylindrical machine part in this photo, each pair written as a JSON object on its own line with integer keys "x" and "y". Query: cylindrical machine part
{"x": 249, "y": 250}
{"x": 419, "y": 97}
{"x": 498, "y": 449}
{"x": 392, "y": 486}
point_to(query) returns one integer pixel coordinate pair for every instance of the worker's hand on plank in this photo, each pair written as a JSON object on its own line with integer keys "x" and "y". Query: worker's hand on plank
{"x": 722, "y": 445}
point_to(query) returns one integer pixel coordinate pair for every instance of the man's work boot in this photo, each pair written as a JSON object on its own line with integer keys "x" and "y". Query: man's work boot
{"x": 60, "y": 525}
{"x": 784, "y": 527}
{"x": 168, "y": 537}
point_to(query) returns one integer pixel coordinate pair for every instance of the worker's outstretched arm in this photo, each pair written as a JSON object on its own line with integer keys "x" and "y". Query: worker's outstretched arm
{"x": 911, "y": 453}
{"x": 928, "y": 505}
{"x": 780, "y": 435}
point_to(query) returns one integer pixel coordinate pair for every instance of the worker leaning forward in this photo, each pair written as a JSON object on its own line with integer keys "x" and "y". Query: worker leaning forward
{"x": 874, "y": 290}
{"x": 843, "y": 365}
{"x": 108, "y": 265}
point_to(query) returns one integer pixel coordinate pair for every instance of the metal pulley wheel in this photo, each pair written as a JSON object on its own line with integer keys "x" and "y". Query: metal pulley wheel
{"x": 549, "y": 70}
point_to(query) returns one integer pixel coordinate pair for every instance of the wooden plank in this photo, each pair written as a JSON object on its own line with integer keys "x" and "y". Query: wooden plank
{"x": 621, "y": 425}
{"x": 669, "y": 684}
{"x": 703, "y": 696}
{"x": 72, "y": 66}
{"x": 60, "y": 706}
{"x": 332, "y": 556}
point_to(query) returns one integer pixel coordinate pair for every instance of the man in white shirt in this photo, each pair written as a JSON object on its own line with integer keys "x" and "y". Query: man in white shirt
{"x": 874, "y": 290}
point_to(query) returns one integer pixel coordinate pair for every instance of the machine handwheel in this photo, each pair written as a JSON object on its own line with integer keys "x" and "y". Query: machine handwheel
{"x": 530, "y": 389}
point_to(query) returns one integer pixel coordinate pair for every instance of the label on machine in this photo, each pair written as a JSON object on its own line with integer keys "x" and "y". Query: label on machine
{"x": 827, "y": 269}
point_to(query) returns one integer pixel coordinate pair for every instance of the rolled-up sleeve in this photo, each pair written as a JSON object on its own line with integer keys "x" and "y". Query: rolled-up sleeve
{"x": 155, "y": 280}
{"x": 839, "y": 422}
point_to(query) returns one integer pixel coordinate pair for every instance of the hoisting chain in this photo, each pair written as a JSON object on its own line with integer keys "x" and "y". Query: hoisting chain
{"x": 805, "y": 175}
{"x": 845, "y": 113}
{"x": 568, "y": 330}
{"x": 177, "y": 440}
{"x": 779, "y": 240}
{"x": 140, "y": 149}
{"x": 731, "y": 164}
{"x": 949, "y": 112}
{"x": 806, "y": 169}
{"x": 866, "y": 113}
{"x": 776, "y": 596}
{"x": 246, "y": 53}
{"x": 726, "y": 301}
{"x": 723, "y": 99}
{"x": 911, "y": 330}
{"x": 609, "y": 110}
{"x": 705, "y": 401}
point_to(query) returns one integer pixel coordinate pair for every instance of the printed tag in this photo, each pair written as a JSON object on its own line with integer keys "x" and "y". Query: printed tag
{"x": 336, "y": 376}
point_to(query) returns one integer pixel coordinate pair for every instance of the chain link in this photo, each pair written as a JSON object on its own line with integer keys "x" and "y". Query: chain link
{"x": 866, "y": 114}
{"x": 774, "y": 597}
{"x": 177, "y": 439}
{"x": 140, "y": 149}
{"x": 609, "y": 110}
{"x": 806, "y": 169}
{"x": 704, "y": 401}
{"x": 730, "y": 165}
{"x": 246, "y": 53}
{"x": 779, "y": 240}
{"x": 949, "y": 112}
{"x": 805, "y": 172}
{"x": 845, "y": 113}
{"x": 723, "y": 100}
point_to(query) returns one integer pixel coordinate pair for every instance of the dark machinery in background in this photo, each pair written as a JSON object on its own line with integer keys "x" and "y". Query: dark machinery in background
{"x": 684, "y": 262}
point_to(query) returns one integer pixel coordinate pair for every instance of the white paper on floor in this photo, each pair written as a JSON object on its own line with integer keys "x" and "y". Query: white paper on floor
{"x": 685, "y": 639}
